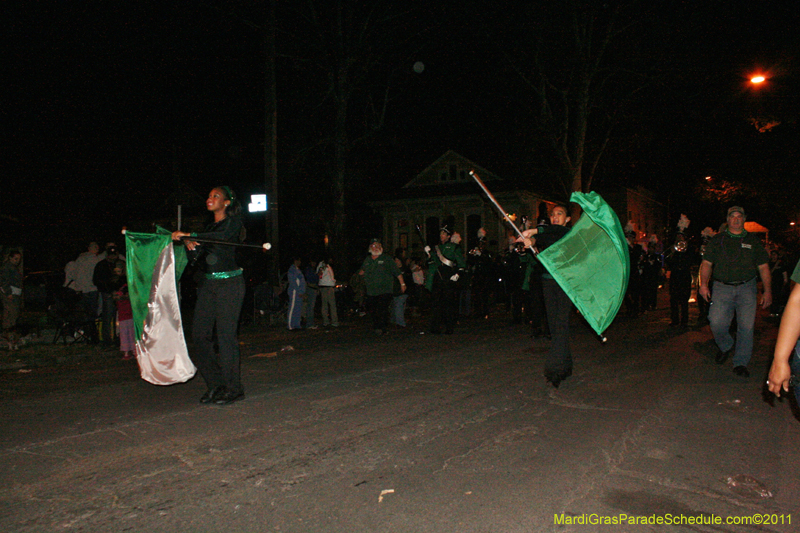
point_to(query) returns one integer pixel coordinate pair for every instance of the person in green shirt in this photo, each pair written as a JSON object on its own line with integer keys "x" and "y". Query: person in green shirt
{"x": 380, "y": 271}
{"x": 733, "y": 261}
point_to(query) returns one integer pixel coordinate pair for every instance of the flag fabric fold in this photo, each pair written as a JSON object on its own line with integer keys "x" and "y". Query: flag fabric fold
{"x": 153, "y": 267}
{"x": 591, "y": 262}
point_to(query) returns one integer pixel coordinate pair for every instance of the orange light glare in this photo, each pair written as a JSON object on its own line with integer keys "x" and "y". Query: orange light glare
{"x": 757, "y": 79}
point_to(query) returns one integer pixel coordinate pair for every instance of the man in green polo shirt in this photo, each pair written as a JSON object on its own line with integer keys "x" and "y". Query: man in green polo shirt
{"x": 733, "y": 260}
{"x": 380, "y": 271}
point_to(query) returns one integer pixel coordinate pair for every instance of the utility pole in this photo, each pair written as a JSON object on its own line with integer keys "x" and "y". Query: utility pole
{"x": 271, "y": 140}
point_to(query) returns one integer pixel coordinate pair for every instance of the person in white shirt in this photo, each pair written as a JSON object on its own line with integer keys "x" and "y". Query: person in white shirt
{"x": 327, "y": 290}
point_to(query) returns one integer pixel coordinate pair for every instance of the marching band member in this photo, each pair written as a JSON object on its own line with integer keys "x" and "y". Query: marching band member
{"x": 219, "y": 300}
{"x": 558, "y": 364}
{"x": 445, "y": 267}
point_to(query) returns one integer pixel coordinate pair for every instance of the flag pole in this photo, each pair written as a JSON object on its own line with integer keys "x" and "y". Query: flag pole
{"x": 498, "y": 206}
{"x": 602, "y": 338}
{"x": 265, "y": 246}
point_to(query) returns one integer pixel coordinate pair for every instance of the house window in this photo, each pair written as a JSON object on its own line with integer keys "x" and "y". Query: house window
{"x": 453, "y": 172}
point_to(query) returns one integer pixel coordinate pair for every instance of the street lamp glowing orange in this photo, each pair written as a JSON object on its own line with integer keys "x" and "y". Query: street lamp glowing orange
{"x": 757, "y": 79}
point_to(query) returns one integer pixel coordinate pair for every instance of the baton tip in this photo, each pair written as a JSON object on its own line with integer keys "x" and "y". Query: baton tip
{"x": 266, "y": 246}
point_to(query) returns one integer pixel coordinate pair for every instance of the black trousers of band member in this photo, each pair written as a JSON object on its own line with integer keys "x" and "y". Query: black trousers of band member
{"x": 559, "y": 309}
{"x": 445, "y": 305}
{"x": 378, "y": 307}
{"x": 520, "y": 300}
{"x": 680, "y": 289}
{"x": 537, "y": 311}
{"x": 480, "y": 297}
{"x": 219, "y": 304}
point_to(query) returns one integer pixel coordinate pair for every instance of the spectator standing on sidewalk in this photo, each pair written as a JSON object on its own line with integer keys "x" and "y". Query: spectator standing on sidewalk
{"x": 400, "y": 297}
{"x": 312, "y": 290}
{"x": 127, "y": 335}
{"x": 297, "y": 293}
{"x": 83, "y": 272}
{"x": 107, "y": 283}
{"x": 11, "y": 288}
{"x": 327, "y": 290}
{"x": 733, "y": 261}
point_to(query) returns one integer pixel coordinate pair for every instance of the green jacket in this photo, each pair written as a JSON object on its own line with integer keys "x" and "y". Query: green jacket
{"x": 436, "y": 268}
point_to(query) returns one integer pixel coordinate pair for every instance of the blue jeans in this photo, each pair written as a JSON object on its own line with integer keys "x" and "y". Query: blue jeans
{"x": 399, "y": 309}
{"x": 743, "y": 300}
{"x": 309, "y": 304}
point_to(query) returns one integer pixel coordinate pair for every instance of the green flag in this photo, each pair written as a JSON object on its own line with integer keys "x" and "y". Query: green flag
{"x": 591, "y": 262}
{"x": 142, "y": 253}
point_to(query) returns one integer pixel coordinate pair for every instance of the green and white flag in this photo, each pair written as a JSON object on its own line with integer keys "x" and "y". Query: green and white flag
{"x": 153, "y": 267}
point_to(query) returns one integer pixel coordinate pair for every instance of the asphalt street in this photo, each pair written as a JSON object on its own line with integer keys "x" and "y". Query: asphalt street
{"x": 343, "y": 431}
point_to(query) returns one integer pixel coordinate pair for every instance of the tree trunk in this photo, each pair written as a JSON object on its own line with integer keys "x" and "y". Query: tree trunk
{"x": 338, "y": 237}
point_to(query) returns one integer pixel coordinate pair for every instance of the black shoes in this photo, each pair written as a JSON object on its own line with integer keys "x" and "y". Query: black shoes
{"x": 228, "y": 397}
{"x": 722, "y": 356}
{"x": 220, "y": 395}
{"x": 741, "y": 371}
{"x": 212, "y": 394}
{"x": 555, "y": 378}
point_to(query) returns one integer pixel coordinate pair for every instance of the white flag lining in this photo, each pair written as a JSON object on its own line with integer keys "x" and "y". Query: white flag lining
{"x": 162, "y": 352}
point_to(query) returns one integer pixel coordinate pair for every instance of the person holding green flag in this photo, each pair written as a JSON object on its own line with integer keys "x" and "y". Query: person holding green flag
{"x": 558, "y": 364}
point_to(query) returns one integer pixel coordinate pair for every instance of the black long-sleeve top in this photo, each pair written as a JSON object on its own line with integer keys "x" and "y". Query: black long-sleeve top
{"x": 220, "y": 257}
{"x": 549, "y": 235}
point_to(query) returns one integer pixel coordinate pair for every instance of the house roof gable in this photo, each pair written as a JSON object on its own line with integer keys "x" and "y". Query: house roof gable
{"x": 434, "y": 173}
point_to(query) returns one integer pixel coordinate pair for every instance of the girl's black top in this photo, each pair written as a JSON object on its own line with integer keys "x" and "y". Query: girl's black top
{"x": 220, "y": 257}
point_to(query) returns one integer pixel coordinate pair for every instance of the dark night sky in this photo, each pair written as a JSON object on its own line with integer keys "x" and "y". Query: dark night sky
{"x": 108, "y": 100}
